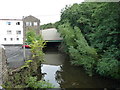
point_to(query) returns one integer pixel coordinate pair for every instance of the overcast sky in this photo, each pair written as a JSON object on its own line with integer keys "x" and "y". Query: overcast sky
{"x": 46, "y": 10}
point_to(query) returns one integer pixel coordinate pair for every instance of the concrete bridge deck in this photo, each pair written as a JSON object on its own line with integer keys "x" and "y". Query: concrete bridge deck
{"x": 51, "y": 35}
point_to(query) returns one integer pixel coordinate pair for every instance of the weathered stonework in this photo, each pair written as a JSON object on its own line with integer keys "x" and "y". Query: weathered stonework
{"x": 30, "y": 20}
{"x": 3, "y": 66}
{"x": 17, "y": 78}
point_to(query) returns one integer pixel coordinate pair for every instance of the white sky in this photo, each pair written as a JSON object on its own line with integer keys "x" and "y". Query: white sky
{"x": 46, "y": 10}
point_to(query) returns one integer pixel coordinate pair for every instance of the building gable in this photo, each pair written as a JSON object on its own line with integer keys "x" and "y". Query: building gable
{"x": 31, "y": 19}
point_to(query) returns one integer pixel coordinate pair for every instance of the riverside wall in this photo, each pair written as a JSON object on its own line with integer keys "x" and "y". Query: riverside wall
{"x": 3, "y": 66}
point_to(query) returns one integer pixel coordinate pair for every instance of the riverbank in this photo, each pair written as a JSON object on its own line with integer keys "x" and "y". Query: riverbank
{"x": 17, "y": 77}
{"x": 29, "y": 74}
{"x": 59, "y": 71}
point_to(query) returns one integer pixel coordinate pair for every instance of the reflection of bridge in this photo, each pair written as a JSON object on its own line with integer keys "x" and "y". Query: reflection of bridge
{"x": 51, "y": 35}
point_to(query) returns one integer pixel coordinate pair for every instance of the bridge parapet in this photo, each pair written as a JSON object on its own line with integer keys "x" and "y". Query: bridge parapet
{"x": 51, "y": 35}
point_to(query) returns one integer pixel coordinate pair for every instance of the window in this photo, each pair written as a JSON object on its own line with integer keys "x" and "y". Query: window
{"x": 35, "y": 23}
{"x": 9, "y": 32}
{"x": 18, "y": 23}
{"x": 11, "y": 39}
{"x": 17, "y": 39}
{"x": 8, "y": 23}
{"x": 18, "y": 32}
{"x": 5, "y": 39}
{"x": 28, "y": 23}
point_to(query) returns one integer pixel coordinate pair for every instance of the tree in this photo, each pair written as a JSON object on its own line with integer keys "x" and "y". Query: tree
{"x": 99, "y": 24}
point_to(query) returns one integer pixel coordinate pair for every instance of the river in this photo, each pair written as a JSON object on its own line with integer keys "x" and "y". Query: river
{"x": 62, "y": 74}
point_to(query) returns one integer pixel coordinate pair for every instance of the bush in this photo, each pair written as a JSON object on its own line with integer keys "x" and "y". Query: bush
{"x": 99, "y": 27}
{"x": 78, "y": 48}
{"x": 33, "y": 83}
{"x": 108, "y": 67}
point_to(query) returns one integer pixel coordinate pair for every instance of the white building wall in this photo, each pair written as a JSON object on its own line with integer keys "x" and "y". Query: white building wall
{"x": 12, "y": 38}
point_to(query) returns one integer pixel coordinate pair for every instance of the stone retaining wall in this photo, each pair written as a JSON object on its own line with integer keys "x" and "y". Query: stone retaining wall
{"x": 3, "y": 66}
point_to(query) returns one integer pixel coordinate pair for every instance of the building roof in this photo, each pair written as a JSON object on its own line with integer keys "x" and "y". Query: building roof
{"x": 12, "y": 19}
{"x": 30, "y": 17}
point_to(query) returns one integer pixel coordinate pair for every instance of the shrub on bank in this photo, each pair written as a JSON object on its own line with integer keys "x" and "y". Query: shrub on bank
{"x": 100, "y": 26}
{"x": 22, "y": 77}
{"x": 33, "y": 83}
{"x": 78, "y": 49}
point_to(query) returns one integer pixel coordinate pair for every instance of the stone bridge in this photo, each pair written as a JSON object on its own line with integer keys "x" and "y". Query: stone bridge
{"x": 51, "y": 35}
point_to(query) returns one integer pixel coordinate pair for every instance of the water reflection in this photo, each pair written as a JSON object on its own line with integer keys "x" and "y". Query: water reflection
{"x": 74, "y": 77}
{"x": 67, "y": 76}
{"x": 49, "y": 73}
{"x": 60, "y": 73}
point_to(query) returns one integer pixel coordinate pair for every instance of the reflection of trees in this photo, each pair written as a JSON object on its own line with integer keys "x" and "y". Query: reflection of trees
{"x": 74, "y": 77}
{"x": 67, "y": 76}
{"x": 58, "y": 76}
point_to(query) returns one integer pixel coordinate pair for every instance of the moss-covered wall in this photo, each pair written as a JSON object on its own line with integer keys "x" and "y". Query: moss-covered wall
{"x": 17, "y": 77}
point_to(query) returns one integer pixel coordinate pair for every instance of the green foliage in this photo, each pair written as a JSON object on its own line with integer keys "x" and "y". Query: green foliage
{"x": 36, "y": 48}
{"x": 46, "y": 26}
{"x": 36, "y": 43}
{"x": 100, "y": 26}
{"x": 68, "y": 35}
{"x": 19, "y": 76}
{"x": 78, "y": 48}
{"x": 108, "y": 65}
{"x": 33, "y": 83}
{"x": 30, "y": 36}
{"x": 107, "y": 26}
{"x": 27, "y": 64}
{"x": 7, "y": 85}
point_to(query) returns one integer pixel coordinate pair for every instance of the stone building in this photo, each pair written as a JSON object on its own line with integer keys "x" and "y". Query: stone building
{"x": 31, "y": 22}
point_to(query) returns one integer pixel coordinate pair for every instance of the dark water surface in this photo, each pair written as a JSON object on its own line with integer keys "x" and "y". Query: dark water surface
{"x": 60, "y": 73}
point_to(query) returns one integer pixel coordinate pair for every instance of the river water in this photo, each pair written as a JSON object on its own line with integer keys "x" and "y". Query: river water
{"x": 58, "y": 71}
